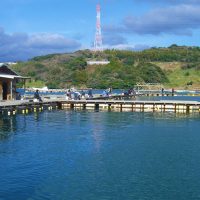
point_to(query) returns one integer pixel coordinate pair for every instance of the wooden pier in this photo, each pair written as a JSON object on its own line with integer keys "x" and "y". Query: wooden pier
{"x": 135, "y": 106}
{"x": 25, "y": 106}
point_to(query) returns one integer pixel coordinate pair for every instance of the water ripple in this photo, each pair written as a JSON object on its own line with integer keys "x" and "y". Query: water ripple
{"x": 99, "y": 155}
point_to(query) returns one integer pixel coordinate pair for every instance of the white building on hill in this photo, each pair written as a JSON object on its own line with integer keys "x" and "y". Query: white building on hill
{"x": 102, "y": 62}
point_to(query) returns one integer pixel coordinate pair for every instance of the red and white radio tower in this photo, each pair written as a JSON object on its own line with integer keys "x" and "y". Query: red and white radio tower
{"x": 98, "y": 37}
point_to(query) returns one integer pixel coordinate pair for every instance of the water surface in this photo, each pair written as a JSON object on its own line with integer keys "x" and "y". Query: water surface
{"x": 81, "y": 155}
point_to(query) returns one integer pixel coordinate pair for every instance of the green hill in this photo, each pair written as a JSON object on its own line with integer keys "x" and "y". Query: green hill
{"x": 175, "y": 66}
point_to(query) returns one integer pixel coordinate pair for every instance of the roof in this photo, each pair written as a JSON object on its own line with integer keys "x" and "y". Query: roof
{"x": 6, "y": 72}
{"x": 9, "y": 76}
{"x": 4, "y": 69}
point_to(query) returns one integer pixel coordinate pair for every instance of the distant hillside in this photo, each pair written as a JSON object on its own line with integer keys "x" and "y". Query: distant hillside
{"x": 175, "y": 66}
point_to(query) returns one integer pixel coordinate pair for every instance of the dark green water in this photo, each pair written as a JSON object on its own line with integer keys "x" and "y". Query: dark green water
{"x": 69, "y": 155}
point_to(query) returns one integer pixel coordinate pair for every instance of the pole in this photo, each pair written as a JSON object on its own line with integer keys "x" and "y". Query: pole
{"x": 11, "y": 90}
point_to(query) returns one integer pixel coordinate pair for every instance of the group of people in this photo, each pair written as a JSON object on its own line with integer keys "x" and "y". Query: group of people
{"x": 70, "y": 94}
{"x": 76, "y": 95}
{"x": 129, "y": 92}
{"x": 107, "y": 92}
{"x": 163, "y": 91}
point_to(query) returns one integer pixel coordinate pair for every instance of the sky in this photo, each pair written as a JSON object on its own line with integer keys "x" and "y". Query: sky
{"x": 31, "y": 28}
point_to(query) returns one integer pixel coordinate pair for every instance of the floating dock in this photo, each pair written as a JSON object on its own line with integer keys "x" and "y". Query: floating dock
{"x": 25, "y": 106}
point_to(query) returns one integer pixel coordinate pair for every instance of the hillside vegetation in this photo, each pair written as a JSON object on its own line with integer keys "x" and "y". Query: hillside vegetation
{"x": 175, "y": 66}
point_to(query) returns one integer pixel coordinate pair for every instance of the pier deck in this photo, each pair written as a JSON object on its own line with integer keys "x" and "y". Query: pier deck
{"x": 25, "y": 106}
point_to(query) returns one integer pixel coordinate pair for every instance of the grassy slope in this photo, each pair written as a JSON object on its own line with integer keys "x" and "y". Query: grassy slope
{"x": 46, "y": 68}
{"x": 178, "y": 78}
{"x": 37, "y": 84}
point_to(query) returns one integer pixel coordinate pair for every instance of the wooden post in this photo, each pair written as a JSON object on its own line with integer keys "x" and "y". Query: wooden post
{"x": 59, "y": 104}
{"x": 121, "y": 107}
{"x": 96, "y": 106}
{"x": 84, "y": 106}
{"x": 143, "y": 107}
{"x": 109, "y": 107}
{"x": 187, "y": 109}
{"x": 11, "y": 89}
{"x": 24, "y": 84}
{"x": 72, "y": 106}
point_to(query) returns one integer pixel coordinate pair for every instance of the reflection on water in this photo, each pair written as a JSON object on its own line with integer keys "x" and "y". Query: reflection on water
{"x": 99, "y": 155}
{"x": 7, "y": 126}
{"x": 10, "y": 125}
{"x": 97, "y": 122}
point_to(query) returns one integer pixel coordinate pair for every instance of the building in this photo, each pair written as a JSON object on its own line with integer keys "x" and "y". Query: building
{"x": 100, "y": 62}
{"x": 8, "y": 80}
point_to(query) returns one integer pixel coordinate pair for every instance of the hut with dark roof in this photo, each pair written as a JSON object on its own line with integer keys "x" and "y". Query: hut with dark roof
{"x": 8, "y": 80}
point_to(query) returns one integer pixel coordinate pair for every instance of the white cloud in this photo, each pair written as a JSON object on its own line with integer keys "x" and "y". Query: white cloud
{"x": 21, "y": 46}
{"x": 177, "y": 19}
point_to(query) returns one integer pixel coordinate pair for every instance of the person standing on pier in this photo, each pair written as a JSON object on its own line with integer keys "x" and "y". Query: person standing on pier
{"x": 109, "y": 91}
{"x": 82, "y": 94}
{"x": 68, "y": 95}
{"x": 172, "y": 91}
{"x": 105, "y": 93}
{"x": 90, "y": 93}
{"x": 37, "y": 96}
{"x": 162, "y": 91}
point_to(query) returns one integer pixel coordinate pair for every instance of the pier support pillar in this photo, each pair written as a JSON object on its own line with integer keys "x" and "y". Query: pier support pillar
{"x": 175, "y": 108}
{"x": 59, "y": 105}
{"x": 187, "y": 109}
{"x": 143, "y": 107}
{"x": 96, "y": 106}
{"x": 109, "y": 107}
{"x": 84, "y": 106}
{"x": 72, "y": 106}
{"x": 121, "y": 107}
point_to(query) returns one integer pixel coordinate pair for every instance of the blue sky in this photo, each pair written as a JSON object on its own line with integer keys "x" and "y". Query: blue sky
{"x": 37, "y": 27}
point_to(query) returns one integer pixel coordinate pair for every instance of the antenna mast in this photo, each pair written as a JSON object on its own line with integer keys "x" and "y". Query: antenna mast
{"x": 98, "y": 36}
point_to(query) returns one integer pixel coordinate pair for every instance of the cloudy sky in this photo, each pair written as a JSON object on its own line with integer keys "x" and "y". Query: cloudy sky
{"x": 37, "y": 27}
